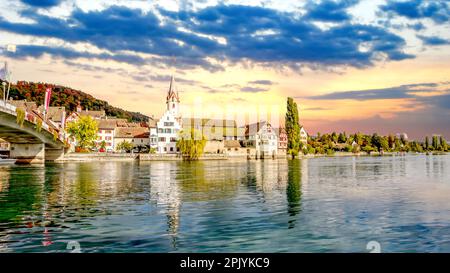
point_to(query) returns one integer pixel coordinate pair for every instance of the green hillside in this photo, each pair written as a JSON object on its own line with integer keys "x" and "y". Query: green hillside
{"x": 69, "y": 98}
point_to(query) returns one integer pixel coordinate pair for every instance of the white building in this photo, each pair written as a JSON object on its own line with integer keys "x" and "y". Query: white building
{"x": 169, "y": 125}
{"x": 303, "y": 137}
{"x": 106, "y": 133}
{"x": 262, "y": 137}
{"x": 153, "y": 134}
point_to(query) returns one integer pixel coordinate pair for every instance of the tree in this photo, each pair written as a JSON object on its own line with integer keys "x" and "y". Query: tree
{"x": 435, "y": 143}
{"x": 342, "y": 138}
{"x": 103, "y": 145}
{"x": 391, "y": 142}
{"x": 191, "y": 144}
{"x": 380, "y": 142}
{"x": 444, "y": 145}
{"x": 292, "y": 128}
{"x": 335, "y": 137}
{"x": 125, "y": 146}
{"x": 84, "y": 130}
{"x": 427, "y": 144}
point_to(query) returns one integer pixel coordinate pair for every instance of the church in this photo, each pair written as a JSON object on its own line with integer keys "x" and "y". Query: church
{"x": 169, "y": 124}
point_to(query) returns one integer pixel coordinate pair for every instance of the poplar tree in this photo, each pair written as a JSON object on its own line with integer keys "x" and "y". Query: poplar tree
{"x": 292, "y": 128}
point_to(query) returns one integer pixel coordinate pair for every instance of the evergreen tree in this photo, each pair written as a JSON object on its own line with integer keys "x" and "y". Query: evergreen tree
{"x": 292, "y": 128}
{"x": 427, "y": 144}
{"x": 435, "y": 143}
{"x": 444, "y": 145}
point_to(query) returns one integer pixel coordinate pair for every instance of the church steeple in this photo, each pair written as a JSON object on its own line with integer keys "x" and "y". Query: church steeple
{"x": 173, "y": 99}
{"x": 172, "y": 95}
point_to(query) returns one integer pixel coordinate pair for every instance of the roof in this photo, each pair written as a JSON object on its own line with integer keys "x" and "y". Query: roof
{"x": 280, "y": 130}
{"x": 172, "y": 94}
{"x": 232, "y": 144}
{"x": 253, "y": 128}
{"x": 209, "y": 122}
{"x": 131, "y": 132}
{"x": 111, "y": 123}
{"x": 25, "y": 105}
{"x": 55, "y": 113}
{"x": 95, "y": 114}
{"x": 107, "y": 123}
{"x": 152, "y": 123}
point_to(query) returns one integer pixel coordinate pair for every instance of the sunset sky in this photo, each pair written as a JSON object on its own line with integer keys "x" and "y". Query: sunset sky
{"x": 351, "y": 65}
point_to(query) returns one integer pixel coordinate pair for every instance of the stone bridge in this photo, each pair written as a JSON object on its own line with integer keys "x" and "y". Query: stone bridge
{"x": 30, "y": 141}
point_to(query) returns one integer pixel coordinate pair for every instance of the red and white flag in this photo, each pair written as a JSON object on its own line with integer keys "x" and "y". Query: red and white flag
{"x": 48, "y": 94}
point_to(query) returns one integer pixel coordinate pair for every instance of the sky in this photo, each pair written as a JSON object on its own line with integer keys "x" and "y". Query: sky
{"x": 351, "y": 65}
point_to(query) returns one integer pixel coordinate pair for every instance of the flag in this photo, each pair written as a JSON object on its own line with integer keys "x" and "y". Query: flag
{"x": 48, "y": 94}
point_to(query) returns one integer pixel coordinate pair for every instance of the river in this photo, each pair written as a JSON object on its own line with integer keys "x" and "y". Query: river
{"x": 335, "y": 204}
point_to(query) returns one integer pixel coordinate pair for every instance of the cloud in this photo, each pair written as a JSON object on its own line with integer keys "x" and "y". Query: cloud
{"x": 42, "y": 3}
{"x": 398, "y": 92}
{"x": 250, "y": 89}
{"x": 436, "y": 10}
{"x": 261, "y": 82}
{"x": 329, "y": 10}
{"x": 316, "y": 109}
{"x": 433, "y": 40}
{"x": 213, "y": 36}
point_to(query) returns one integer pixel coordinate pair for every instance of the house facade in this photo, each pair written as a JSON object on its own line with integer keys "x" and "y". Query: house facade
{"x": 262, "y": 137}
{"x": 138, "y": 136}
{"x": 303, "y": 137}
{"x": 282, "y": 140}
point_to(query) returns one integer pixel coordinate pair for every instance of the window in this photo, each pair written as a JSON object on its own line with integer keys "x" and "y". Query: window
{"x": 160, "y": 130}
{"x": 165, "y": 149}
{"x": 173, "y": 105}
{"x": 168, "y": 124}
{"x": 162, "y": 139}
{"x": 167, "y": 130}
{"x": 171, "y": 149}
{"x": 172, "y": 139}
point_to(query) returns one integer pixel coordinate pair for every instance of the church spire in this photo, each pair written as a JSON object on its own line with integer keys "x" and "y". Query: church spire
{"x": 172, "y": 95}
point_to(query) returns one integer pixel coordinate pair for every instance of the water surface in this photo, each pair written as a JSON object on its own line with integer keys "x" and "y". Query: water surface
{"x": 310, "y": 205}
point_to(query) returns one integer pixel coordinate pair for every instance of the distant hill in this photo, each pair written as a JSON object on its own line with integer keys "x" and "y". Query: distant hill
{"x": 69, "y": 98}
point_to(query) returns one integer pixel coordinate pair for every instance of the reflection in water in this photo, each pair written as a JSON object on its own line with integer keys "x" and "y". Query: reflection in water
{"x": 165, "y": 191}
{"x": 320, "y": 204}
{"x": 294, "y": 191}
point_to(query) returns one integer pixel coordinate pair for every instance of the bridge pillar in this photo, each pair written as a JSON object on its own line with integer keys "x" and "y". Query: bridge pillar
{"x": 28, "y": 153}
{"x": 54, "y": 154}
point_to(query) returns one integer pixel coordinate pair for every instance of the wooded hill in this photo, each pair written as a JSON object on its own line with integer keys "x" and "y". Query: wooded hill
{"x": 69, "y": 98}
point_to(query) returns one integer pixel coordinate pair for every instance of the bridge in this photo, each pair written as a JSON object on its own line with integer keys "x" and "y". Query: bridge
{"x": 32, "y": 140}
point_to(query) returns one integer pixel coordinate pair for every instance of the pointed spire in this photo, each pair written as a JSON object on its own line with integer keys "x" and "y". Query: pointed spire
{"x": 172, "y": 94}
{"x": 172, "y": 85}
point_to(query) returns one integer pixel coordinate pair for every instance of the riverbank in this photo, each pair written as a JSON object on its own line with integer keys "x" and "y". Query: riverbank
{"x": 90, "y": 157}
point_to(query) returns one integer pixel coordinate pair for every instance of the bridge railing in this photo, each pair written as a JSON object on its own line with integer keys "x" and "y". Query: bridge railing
{"x": 7, "y": 107}
{"x": 11, "y": 109}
